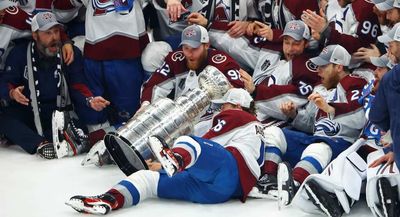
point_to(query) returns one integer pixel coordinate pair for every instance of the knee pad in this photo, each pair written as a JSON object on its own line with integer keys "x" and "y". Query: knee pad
{"x": 274, "y": 137}
{"x": 321, "y": 152}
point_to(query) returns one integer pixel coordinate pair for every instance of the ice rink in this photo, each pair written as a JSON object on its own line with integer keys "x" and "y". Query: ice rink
{"x": 34, "y": 187}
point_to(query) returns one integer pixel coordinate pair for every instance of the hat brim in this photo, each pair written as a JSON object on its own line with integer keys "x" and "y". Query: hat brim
{"x": 191, "y": 43}
{"x": 219, "y": 101}
{"x": 319, "y": 61}
{"x": 293, "y": 35}
{"x": 48, "y": 26}
{"x": 376, "y": 61}
{"x": 385, "y": 38}
{"x": 383, "y": 6}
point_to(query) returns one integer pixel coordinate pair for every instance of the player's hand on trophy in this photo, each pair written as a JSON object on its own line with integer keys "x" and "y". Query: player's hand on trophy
{"x": 264, "y": 31}
{"x": 175, "y": 9}
{"x": 237, "y": 28}
{"x": 68, "y": 53}
{"x": 289, "y": 109}
{"x": 98, "y": 103}
{"x": 321, "y": 103}
{"x": 17, "y": 95}
{"x": 197, "y": 18}
{"x": 153, "y": 165}
{"x": 248, "y": 81}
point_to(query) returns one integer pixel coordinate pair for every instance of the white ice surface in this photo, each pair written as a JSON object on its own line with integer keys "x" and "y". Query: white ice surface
{"x": 34, "y": 187}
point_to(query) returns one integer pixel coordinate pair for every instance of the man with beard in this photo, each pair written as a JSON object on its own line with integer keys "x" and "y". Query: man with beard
{"x": 181, "y": 67}
{"x": 178, "y": 74}
{"x": 38, "y": 82}
{"x": 338, "y": 121}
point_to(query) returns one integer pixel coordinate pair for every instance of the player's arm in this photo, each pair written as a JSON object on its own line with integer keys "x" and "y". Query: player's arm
{"x": 159, "y": 85}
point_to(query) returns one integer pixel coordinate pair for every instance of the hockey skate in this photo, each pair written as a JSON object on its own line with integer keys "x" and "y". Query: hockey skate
{"x": 101, "y": 204}
{"x": 67, "y": 138}
{"x": 266, "y": 188}
{"x": 388, "y": 197}
{"x": 46, "y": 150}
{"x": 168, "y": 159}
{"x": 325, "y": 201}
{"x": 286, "y": 186}
{"x": 98, "y": 155}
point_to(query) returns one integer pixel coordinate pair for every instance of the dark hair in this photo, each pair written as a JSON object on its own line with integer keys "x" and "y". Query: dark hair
{"x": 252, "y": 109}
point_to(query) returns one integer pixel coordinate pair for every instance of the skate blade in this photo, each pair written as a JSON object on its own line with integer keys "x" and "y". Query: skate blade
{"x": 283, "y": 177}
{"x": 79, "y": 206}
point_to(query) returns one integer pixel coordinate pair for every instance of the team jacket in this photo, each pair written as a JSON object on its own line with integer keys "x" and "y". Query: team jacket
{"x": 237, "y": 130}
{"x": 16, "y": 75}
{"x": 349, "y": 118}
{"x": 174, "y": 75}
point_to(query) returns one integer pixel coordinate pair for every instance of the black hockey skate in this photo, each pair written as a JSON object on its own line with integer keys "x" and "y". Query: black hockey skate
{"x": 388, "y": 197}
{"x": 46, "y": 150}
{"x": 286, "y": 186}
{"x": 101, "y": 204}
{"x": 325, "y": 201}
{"x": 68, "y": 139}
{"x": 267, "y": 183}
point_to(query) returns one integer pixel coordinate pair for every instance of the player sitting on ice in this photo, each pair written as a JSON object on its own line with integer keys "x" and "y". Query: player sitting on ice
{"x": 221, "y": 165}
{"x": 335, "y": 190}
{"x": 338, "y": 121}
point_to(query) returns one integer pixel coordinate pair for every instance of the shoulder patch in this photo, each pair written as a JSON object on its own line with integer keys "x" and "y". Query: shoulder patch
{"x": 219, "y": 58}
{"x": 12, "y": 10}
{"x": 311, "y": 66}
{"x": 178, "y": 56}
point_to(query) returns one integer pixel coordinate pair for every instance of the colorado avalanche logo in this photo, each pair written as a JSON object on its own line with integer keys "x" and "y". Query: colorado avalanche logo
{"x": 327, "y": 127}
{"x": 219, "y": 58}
{"x": 190, "y": 33}
{"x": 294, "y": 26}
{"x": 12, "y": 10}
{"x": 178, "y": 56}
{"x": 311, "y": 66}
{"x": 102, "y": 7}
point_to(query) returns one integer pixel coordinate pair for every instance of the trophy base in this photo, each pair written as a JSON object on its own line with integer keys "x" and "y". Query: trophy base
{"x": 126, "y": 156}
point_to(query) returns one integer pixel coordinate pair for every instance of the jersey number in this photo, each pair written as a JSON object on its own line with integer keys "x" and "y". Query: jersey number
{"x": 368, "y": 28}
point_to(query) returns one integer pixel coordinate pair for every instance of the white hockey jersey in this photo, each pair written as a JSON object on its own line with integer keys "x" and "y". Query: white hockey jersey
{"x": 175, "y": 77}
{"x": 349, "y": 118}
{"x": 111, "y": 35}
{"x": 238, "y": 131}
{"x": 16, "y": 24}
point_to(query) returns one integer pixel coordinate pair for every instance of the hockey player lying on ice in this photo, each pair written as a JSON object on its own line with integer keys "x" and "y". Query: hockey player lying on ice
{"x": 223, "y": 164}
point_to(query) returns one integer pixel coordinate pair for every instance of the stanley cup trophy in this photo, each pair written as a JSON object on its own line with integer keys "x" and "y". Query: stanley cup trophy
{"x": 165, "y": 118}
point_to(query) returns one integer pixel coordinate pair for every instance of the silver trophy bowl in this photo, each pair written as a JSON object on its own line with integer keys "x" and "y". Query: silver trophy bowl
{"x": 164, "y": 118}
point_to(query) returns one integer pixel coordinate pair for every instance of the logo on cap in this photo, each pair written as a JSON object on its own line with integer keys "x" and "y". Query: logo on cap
{"x": 190, "y": 33}
{"x": 294, "y": 26}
